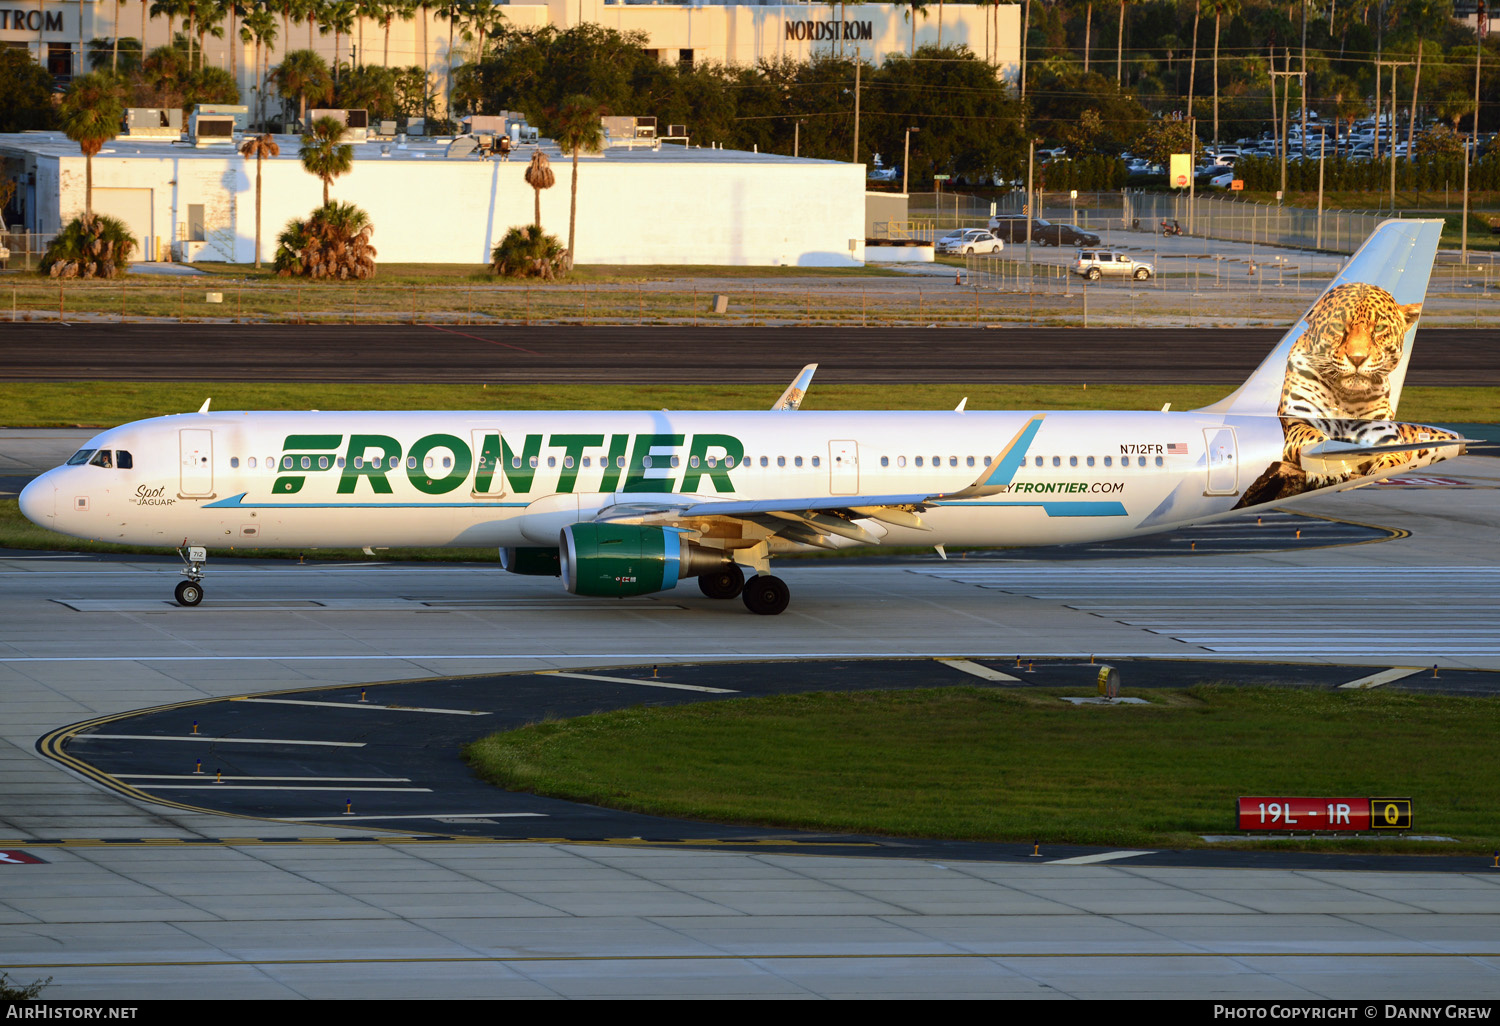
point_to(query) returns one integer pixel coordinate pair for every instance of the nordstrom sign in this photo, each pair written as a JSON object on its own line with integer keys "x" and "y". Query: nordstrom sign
{"x": 817, "y": 30}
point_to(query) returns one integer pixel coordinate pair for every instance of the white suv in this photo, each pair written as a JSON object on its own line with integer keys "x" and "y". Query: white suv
{"x": 1094, "y": 264}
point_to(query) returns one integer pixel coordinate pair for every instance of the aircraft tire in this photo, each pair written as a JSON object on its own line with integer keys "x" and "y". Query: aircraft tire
{"x": 724, "y": 583}
{"x": 766, "y": 595}
{"x": 189, "y": 593}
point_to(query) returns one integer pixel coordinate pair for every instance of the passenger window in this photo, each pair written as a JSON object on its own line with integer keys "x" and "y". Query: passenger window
{"x": 885, "y": 461}
{"x": 971, "y": 461}
{"x": 287, "y": 463}
{"x": 1140, "y": 461}
{"x": 937, "y": 461}
{"x": 987, "y": 461}
{"x": 322, "y": 462}
{"x": 780, "y": 461}
{"x": 588, "y": 461}
{"x": 270, "y": 462}
{"x": 515, "y": 463}
{"x": 728, "y": 461}
{"x": 567, "y": 462}
{"x": 620, "y": 462}
{"x": 532, "y": 461}
{"x": 765, "y": 461}
{"x": 918, "y": 461}
{"x": 251, "y": 463}
{"x": 359, "y": 462}
{"x": 952, "y": 461}
{"x": 1057, "y": 461}
{"x": 234, "y": 462}
{"x": 692, "y": 461}
{"x": 1039, "y": 461}
{"x": 817, "y": 462}
{"x": 796, "y": 461}
{"x": 123, "y": 460}
{"x": 338, "y": 462}
{"x": 1090, "y": 461}
{"x": 396, "y": 462}
{"x": 646, "y": 462}
{"x": 1158, "y": 461}
{"x": 551, "y": 461}
{"x": 900, "y": 461}
{"x": 1107, "y": 462}
{"x": 1072, "y": 461}
{"x": 675, "y": 461}
{"x": 448, "y": 462}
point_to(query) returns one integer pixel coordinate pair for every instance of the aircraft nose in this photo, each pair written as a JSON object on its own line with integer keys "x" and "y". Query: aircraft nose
{"x": 38, "y": 501}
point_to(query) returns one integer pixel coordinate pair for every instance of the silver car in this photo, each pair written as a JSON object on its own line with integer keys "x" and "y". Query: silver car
{"x": 1094, "y": 264}
{"x": 969, "y": 240}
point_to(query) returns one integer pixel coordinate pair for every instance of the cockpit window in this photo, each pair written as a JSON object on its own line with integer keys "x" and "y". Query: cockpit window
{"x": 103, "y": 458}
{"x": 80, "y": 457}
{"x": 123, "y": 460}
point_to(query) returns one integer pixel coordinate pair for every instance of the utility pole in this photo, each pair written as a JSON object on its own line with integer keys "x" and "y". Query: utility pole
{"x": 1286, "y": 92}
{"x": 1304, "y": 79}
{"x": 1393, "y": 65}
{"x": 1481, "y": 26}
{"x": 1322, "y": 144}
{"x": 856, "y": 104}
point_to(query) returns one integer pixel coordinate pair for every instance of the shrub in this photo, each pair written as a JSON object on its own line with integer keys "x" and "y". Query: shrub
{"x": 334, "y": 243}
{"x": 89, "y": 246}
{"x": 526, "y": 252}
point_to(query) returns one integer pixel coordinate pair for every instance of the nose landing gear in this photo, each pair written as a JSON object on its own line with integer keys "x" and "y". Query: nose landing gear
{"x": 190, "y": 591}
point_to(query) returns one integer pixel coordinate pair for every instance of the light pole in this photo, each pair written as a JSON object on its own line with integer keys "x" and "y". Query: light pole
{"x": 906, "y": 161}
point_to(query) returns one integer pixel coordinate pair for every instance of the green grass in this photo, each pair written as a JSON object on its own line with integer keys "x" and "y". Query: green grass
{"x": 105, "y": 404}
{"x": 1018, "y": 765}
{"x": 436, "y": 274}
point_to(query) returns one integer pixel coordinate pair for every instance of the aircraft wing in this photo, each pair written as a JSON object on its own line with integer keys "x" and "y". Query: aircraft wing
{"x": 811, "y": 519}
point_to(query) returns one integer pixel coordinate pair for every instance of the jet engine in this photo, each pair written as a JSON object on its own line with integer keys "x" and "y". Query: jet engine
{"x": 629, "y": 559}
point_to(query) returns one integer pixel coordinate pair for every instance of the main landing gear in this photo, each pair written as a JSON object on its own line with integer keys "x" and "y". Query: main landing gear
{"x": 190, "y": 591}
{"x": 766, "y": 595}
{"x": 762, "y": 594}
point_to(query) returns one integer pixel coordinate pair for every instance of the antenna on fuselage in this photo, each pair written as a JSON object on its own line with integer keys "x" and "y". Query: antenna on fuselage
{"x": 204, "y": 407}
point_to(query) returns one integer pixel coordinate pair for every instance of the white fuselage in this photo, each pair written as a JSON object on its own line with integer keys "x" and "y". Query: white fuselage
{"x": 433, "y": 479}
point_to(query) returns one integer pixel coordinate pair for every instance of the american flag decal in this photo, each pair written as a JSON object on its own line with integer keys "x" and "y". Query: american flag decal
{"x": 1176, "y": 448}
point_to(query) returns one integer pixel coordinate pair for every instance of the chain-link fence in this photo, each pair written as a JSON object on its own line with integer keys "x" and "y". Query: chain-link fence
{"x": 26, "y": 248}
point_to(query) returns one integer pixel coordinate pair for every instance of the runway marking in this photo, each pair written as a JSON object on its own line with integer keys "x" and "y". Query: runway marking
{"x": 1105, "y": 856}
{"x": 216, "y": 740}
{"x": 839, "y": 956}
{"x": 968, "y": 666}
{"x": 200, "y": 776}
{"x": 362, "y": 705}
{"x": 1374, "y": 680}
{"x": 430, "y": 815}
{"x": 209, "y": 785}
{"x": 642, "y": 683}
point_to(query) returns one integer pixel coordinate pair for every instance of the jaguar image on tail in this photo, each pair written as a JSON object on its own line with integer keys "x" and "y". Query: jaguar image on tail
{"x": 1342, "y": 385}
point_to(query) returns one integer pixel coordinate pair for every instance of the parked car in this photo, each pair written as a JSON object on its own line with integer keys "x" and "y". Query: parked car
{"x": 1094, "y": 264}
{"x": 1222, "y": 181}
{"x": 1064, "y": 235}
{"x": 969, "y": 240}
{"x": 1012, "y": 227}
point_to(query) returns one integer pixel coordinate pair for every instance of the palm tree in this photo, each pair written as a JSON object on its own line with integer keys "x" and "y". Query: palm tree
{"x": 91, "y": 115}
{"x": 1221, "y": 9}
{"x": 539, "y": 176}
{"x": 390, "y": 10}
{"x": 576, "y": 127}
{"x": 338, "y": 18}
{"x": 259, "y": 27}
{"x": 1193, "y": 60}
{"x": 260, "y": 147}
{"x": 305, "y": 75}
{"x": 322, "y": 153}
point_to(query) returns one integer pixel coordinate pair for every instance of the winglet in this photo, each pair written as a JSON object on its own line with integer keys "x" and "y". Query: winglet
{"x": 792, "y": 398}
{"x": 996, "y": 477}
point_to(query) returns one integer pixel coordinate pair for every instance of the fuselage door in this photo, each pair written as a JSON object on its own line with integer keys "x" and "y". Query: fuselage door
{"x": 489, "y": 477}
{"x": 1223, "y": 461}
{"x": 843, "y": 467}
{"x": 197, "y": 453}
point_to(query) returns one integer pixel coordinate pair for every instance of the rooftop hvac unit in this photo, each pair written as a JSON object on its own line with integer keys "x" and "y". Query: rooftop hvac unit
{"x": 356, "y": 121}
{"x": 153, "y": 122}
{"x": 238, "y": 111}
{"x": 212, "y": 129}
{"x": 628, "y": 130}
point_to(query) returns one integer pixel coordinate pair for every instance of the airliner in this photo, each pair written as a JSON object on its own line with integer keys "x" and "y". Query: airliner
{"x": 629, "y": 503}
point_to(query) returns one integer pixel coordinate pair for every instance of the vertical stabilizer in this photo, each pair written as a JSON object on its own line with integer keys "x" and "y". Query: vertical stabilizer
{"x": 1347, "y": 356}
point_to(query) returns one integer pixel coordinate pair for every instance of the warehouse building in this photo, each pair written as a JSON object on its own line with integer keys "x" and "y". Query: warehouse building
{"x": 639, "y": 202}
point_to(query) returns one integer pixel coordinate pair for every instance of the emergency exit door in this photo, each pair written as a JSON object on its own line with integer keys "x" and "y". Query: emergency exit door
{"x": 1223, "y": 462}
{"x": 197, "y": 452}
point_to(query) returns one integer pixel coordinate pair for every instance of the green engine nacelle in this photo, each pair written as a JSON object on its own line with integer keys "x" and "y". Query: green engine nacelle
{"x": 627, "y": 559}
{"x": 532, "y": 562}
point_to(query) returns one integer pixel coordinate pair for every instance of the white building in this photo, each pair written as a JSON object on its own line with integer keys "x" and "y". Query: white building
{"x": 56, "y": 32}
{"x": 672, "y": 205}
